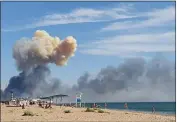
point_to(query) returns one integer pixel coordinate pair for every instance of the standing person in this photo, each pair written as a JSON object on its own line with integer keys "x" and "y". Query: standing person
{"x": 153, "y": 109}
{"x": 23, "y": 106}
{"x": 105, "y": 105}
{"x": 125, "y": 106}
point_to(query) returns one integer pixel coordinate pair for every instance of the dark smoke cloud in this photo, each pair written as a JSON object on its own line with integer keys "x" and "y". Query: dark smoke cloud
{"x": 133, "y": 80}
{"x": 133, "y": 75}
{"x": 111, "y": 79}
{"x": 2, "y": 94}
{"x": 34, "y": 83}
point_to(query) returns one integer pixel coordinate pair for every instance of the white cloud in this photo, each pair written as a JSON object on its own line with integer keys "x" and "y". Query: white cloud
{"x": 131, "y": 45}
{"x": 168, "y": 38}
{"x": 80, "y": 15}
{"x": 158, "y": 17}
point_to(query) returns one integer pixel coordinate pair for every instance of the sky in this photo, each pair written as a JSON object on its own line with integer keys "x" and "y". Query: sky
{"x": 106, "y": 33}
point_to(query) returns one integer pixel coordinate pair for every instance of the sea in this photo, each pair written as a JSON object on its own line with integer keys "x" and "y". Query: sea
{"x": 167, "y": 108}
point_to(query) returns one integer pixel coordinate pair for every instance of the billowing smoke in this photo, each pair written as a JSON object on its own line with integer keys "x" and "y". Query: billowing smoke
{"x": 134, "y": 79}
{"x": 43, "y": 49}
{"x": 32, "y": 57}
{"x": 37, "y": 83}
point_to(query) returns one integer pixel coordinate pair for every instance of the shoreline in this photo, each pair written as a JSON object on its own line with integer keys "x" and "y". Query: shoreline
{"x": 145, "y": 112}
{"x": 147, "y": 109}
{"x": 133, "y": 110}
{"x": 56, "y": 113}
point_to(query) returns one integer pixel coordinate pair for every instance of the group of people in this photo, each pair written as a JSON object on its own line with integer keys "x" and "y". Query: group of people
{"x": 98, "y": 106}
{"x": 48, "y": 105}
{"x": 45, "y": 105}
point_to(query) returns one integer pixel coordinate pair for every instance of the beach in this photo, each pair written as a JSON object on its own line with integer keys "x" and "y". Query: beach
{"x": 56, "y": 113}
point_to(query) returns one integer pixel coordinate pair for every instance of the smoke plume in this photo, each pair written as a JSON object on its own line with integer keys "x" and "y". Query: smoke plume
{"x": 43, "y": 49}
{"x": 134, "y": 79}
{"x": 37, "y": 83}
{"x": 32, "y": 57}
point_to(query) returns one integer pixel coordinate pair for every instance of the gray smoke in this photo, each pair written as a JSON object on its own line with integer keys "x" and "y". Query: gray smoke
{"x": 2, "y": 94}
{"x": 37, "y": 82}
{"x": 133, "y": 80}
{"x": 134, "y": 77}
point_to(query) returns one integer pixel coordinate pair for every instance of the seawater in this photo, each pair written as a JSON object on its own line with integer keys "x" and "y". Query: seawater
{"x": 160, "y": 107}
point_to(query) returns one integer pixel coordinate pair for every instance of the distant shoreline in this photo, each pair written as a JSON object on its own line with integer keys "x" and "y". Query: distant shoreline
{"x": 144, "y": 112}
{"x": 78, "y": 114}
{"x": 165, "y": 108}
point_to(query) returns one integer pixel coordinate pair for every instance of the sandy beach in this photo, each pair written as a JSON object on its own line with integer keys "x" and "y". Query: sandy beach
{"x": 77, "y": 114}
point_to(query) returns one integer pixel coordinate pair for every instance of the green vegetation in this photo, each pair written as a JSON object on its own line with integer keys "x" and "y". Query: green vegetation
{"x": 95, "y": 109}
{"x": 28, "y": 113}
{"x": 67, "y": 111}
{"x": 89, "y": 110}
{"x": 100, "y": 111}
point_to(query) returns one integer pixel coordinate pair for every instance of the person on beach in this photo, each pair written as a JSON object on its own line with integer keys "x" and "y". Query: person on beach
{"x": 23, "y": 106}
{"x": 125, "y": 106}
{"x": 105, "y": 105}
{"x": 153, "y": 109}
{"x": 93, "y": 106}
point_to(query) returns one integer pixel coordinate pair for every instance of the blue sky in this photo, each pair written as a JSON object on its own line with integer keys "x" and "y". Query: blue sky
{"x": 106, "y": 32}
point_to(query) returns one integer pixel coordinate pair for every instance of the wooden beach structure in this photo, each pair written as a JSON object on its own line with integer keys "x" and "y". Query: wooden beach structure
{"x": 61, "y": 96}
